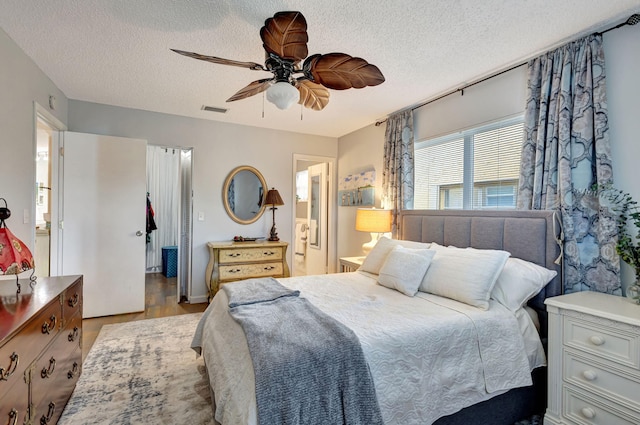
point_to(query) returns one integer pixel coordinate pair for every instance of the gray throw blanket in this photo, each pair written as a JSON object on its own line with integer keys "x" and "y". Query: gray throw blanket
{"x": 309, "y": 368}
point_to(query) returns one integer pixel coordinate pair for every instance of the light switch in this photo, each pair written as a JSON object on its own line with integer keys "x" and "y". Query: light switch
{"x": 201, "y": 216}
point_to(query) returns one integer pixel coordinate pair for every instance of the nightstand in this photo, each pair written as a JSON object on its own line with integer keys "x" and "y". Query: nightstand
{"x": 350, "y": 264}
{"x": 594, "y": 360}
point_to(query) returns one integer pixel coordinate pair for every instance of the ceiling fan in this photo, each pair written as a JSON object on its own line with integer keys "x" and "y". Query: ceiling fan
{"x": 284, "y": 38}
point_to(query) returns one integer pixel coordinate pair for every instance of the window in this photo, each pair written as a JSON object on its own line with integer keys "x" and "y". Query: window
{"x": 474, "y": 169}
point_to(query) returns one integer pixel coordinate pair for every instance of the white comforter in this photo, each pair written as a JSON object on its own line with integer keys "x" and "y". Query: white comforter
{"x": 429, "y": 356}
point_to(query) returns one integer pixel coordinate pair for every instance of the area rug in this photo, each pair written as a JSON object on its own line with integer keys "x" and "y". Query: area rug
{"x": 142, "y": 372}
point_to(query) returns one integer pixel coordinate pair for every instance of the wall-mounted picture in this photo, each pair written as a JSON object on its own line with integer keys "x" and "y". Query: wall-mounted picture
{"x": 357, "y": 189}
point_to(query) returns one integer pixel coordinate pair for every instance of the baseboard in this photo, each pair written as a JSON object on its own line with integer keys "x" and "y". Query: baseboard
{"x": 198, "y": 299}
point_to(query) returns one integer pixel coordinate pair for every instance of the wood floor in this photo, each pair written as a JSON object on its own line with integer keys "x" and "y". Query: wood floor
{"x": 160, "y": 301}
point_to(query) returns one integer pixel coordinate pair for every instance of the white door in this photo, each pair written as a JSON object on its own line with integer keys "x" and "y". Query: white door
{"x": 104, "y": 223}
{"x": 317, "y": 248}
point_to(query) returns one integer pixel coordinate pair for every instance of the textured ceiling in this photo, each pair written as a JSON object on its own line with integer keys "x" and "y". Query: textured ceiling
{"x": 117, "y": 51}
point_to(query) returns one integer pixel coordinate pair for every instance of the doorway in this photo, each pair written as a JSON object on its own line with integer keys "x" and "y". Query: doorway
{"x": 313, "y": 247}
{"x": 169, "y": 213}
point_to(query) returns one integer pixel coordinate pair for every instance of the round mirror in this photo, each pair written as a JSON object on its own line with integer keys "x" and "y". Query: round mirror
{"x": 243, "y": 194}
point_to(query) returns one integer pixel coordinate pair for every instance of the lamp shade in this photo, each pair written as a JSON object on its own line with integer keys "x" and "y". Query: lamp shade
{"x": 15, "y": 257}
{"x": 273, "y": 198}
{"x": 283, "y": 94}
{"x": 373, "y": 220}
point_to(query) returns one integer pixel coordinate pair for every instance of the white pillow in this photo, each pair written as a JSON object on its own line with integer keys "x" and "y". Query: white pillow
{"x": 467, "y": 275}
{"x": 378, "y": 254}
{"x": 404, "y": 269}
{"x": 520, "y": 281}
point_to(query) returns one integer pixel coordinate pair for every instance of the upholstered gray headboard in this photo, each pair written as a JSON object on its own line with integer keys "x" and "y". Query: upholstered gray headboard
{"x": 529, "y": 235}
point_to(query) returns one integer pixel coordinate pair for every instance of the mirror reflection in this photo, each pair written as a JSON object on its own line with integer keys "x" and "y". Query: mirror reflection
{"x": 243, "y": 194}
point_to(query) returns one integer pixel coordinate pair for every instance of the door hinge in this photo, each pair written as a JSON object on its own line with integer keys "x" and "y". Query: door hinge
{"x": 61, "y": 224}
{"x": 62, "y": 151}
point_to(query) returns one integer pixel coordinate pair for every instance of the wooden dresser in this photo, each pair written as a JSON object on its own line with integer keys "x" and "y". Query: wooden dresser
{"x": 40, "y": 348}
{"x": 594, "y": 360}
{"x": 229, "y": 261}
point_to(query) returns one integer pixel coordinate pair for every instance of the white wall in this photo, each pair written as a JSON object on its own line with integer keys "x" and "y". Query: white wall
{"x": 359, "y": 151}
{"x": 217, "y": 149}
{"x": 21, "y": 83}
{"x": 622, "y": 55}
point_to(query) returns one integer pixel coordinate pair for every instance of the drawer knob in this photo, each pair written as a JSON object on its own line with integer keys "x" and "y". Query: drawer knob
{"x": 4, "y": 375}
{"x": 268, "y": 253}
{"x": 13, "y": 417}
{"x": 269, "y": 268}
{"x": 73, "y": 335}
{"x": 589, "y": 375}
{"x": 73, "y": 301}
{"x": 234, "y": 254}
{"x": 596, "y": 340}
{"x": 48, "y": 327}
{"x": 588, "y": 412}
{"x": 74, "y": 371}
{"x": 44, "y": 420}
{"x": 47, "y": 372}
{"x": 235, "y": 271}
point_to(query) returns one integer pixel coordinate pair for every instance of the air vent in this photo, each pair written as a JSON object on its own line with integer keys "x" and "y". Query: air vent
{"x": 214, "y": 109}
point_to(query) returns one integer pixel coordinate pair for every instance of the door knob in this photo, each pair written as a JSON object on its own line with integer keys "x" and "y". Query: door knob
{"x": 138, "y": 233}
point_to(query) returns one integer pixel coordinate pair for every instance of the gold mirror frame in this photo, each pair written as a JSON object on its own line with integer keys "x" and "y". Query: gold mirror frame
{"x": 225, "y": 192}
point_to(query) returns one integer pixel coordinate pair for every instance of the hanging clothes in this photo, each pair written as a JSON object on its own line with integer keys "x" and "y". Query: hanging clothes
{"x": 151, "y": 223}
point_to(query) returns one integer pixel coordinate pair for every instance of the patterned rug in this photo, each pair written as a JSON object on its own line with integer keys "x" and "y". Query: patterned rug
{"x": 142, "y": 372}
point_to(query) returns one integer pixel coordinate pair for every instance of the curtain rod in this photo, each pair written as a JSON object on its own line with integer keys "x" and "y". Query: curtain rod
{"x": 632, "y": 20}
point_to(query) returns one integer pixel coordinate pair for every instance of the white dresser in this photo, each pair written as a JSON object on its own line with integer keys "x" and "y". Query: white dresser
{"x": 594, "y": 360}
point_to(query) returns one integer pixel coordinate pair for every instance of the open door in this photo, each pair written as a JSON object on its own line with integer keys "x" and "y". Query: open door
{"x": 103, "y": 206}
{"x": 317, "y": 249}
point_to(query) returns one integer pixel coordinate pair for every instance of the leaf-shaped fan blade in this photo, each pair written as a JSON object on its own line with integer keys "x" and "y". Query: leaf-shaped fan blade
{"x": 221, "y": 61}
{"x": 253, "y": 88}
{"x": 285, "y": 35}
{"x": 340, "y": 71}
{"x": 312, "y": 95}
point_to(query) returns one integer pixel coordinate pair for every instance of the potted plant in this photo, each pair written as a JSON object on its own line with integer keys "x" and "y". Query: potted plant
{"x": 628, "y": 246}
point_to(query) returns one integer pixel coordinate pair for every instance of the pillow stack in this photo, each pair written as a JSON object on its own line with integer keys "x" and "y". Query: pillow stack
{"x": 468, "y": 275}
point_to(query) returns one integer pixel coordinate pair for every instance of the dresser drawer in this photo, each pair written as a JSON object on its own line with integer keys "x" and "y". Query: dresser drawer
{"x": 53, "y": 378}
{"x": 72, "y": 300}
{"x": 606, "y": 380}
{"x": 14, "y": 406}
{"x": 243, "y": 255}
{"x": 602, "y": 341}
{"x": 243, "y": 271}
{"x": 583, "y": 408}
{"x": 20, "y": 351}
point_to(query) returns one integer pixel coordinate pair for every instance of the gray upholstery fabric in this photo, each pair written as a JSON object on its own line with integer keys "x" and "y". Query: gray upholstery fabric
{"x": 528, "y": 235}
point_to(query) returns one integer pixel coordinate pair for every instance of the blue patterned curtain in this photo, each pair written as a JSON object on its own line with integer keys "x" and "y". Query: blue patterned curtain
{"x": 566, "y": 151}
{"x": 397, "y": 173}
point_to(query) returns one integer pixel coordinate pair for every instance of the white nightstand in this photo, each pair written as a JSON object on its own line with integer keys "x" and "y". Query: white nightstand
{"x": 350, "y": 264}
{"x": 594, "y": 360}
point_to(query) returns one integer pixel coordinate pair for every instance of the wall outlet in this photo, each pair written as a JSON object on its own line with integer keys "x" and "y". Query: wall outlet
{"x": 201, "y": 216}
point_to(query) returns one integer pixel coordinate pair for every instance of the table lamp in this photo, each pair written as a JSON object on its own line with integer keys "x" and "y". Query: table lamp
{"x": 373, "y": 221}
{"x": 275, "y": 200}
{"x": 15, "y": 257}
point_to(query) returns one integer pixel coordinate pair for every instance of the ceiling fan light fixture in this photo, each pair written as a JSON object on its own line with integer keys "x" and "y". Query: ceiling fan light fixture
{"x": 283, "y": 95}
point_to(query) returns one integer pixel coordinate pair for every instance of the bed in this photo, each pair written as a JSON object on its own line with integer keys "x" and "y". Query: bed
{"x": 484, "y": 366}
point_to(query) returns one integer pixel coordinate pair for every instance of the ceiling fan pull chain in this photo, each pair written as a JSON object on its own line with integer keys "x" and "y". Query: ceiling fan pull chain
{"x": 263, "y": 104}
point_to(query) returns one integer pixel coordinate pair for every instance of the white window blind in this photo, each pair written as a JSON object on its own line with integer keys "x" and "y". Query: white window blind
{"x": 474, "y": 169}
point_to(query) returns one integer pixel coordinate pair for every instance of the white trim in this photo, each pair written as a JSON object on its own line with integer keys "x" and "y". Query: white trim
{"x": 55, "y": 249}
{"x": 332, "y": 252}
